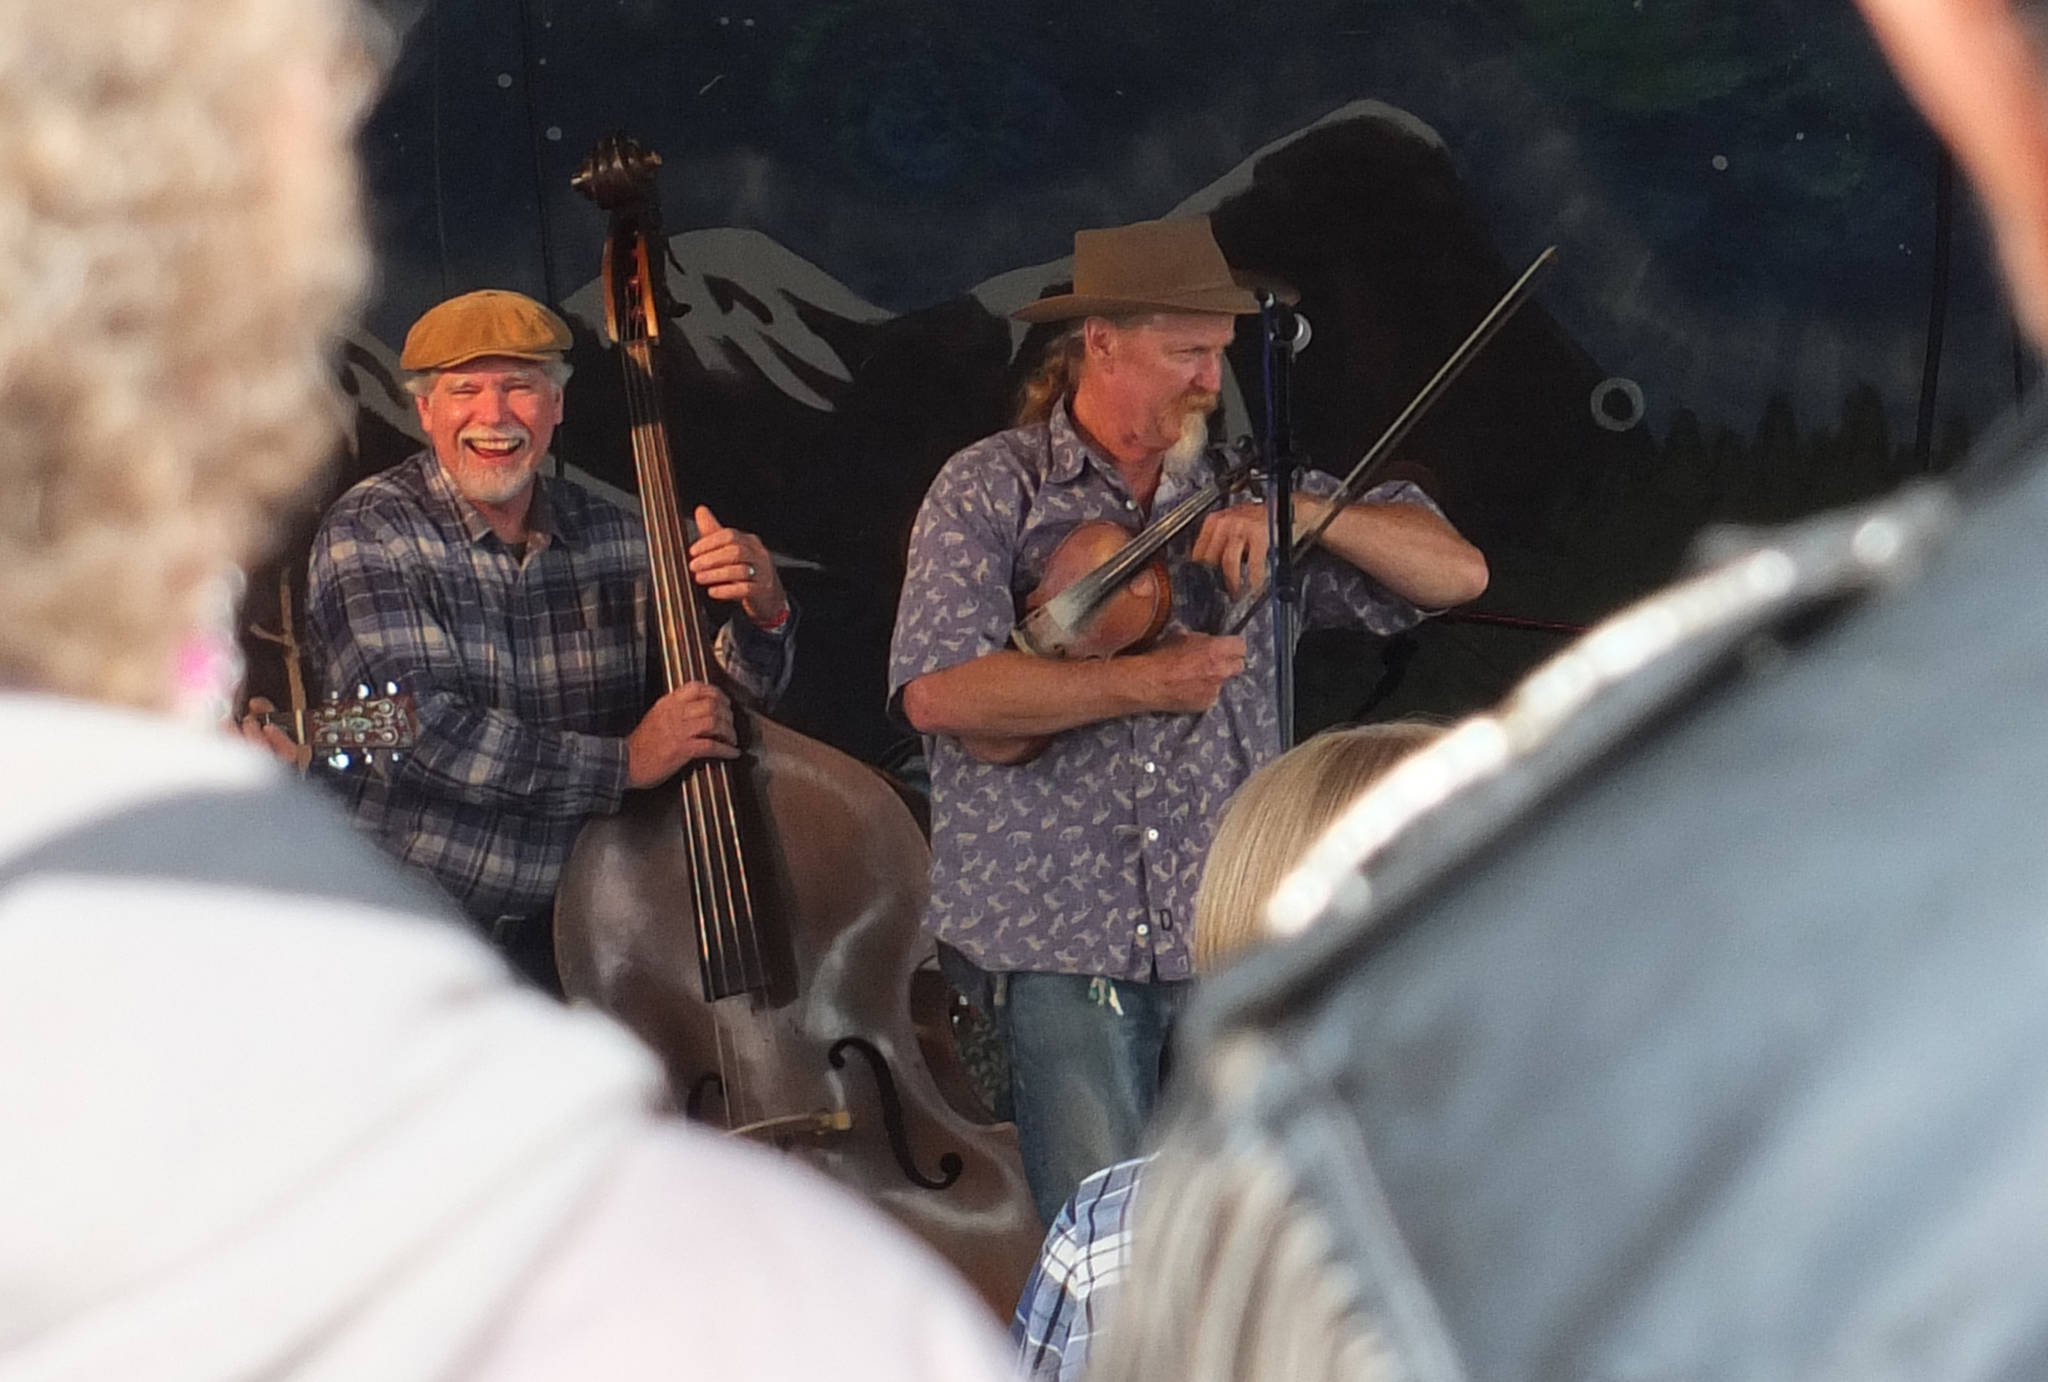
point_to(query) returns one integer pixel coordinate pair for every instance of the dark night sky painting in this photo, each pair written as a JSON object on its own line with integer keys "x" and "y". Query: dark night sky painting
{"x": 1758, "y": 244}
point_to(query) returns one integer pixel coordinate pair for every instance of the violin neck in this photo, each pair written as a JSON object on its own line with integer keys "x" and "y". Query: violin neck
{"x": 1134, "y": 555}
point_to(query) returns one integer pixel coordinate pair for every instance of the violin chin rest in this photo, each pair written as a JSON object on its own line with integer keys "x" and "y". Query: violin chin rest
{"x": 1038, "y": 635}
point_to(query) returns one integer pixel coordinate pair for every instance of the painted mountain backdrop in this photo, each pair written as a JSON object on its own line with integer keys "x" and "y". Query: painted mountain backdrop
{"x": 1745, "y": 206}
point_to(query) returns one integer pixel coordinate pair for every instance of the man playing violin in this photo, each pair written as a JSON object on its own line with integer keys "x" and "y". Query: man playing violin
{"x": 513, "y": 606}
{"x": 1070, "y": 873}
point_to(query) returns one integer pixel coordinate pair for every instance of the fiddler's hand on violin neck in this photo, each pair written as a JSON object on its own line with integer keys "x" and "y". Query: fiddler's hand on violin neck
{"x": 735, "y": 566}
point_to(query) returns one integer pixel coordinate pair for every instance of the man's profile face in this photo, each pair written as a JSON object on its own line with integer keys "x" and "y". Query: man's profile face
{"x": 1168, "y": 370}
{"x": 490, "y": 421}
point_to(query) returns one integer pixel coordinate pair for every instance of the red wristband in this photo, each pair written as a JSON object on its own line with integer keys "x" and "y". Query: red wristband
{"x": 774, "y": 624}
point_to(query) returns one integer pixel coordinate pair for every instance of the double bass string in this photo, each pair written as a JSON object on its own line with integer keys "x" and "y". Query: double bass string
{"x": 708, "y": 786}
{"x": 686, "y": 661}
{"x": 683, "y": 659}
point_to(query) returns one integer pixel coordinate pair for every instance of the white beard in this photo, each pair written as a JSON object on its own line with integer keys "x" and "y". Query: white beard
{"x": 1184, "y": 456}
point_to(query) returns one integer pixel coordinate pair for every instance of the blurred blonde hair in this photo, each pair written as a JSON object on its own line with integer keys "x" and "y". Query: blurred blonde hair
{"x": 1233, "y": 1276}
{"x": 1276, "y": 815}
{"x": 180, "y": 240}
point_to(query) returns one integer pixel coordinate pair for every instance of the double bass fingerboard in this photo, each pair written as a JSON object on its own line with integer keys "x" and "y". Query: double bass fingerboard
{"x": 730, "y": 951}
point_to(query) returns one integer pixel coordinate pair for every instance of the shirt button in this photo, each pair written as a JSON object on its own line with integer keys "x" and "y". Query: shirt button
{"x": 1143, "y": 930}
{"x": 1151, "y": 832}
{"x": 1151, "y": 767}
{"x": 1131, "y": 504}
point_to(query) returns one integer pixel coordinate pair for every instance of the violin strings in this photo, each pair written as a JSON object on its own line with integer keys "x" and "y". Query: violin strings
{"x": 719, "y": 873}
{"x": 1144, "y": 546}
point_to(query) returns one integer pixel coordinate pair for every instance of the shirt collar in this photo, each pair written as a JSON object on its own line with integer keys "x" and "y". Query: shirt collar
{"x": 1068, "y": 453}
{"x": 546, "y": 520}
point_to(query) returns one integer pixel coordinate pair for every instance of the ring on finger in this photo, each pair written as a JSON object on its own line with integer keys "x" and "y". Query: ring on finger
{"x": 751, "y": 572}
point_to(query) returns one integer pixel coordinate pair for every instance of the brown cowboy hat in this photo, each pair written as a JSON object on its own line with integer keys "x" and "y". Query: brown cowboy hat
{"x": 1152, "y": 266}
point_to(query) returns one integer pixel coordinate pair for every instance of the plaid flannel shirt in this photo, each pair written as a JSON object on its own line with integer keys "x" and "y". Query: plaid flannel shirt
{"x": 1087, "y": 1250}
{"x": 529, "y": 670}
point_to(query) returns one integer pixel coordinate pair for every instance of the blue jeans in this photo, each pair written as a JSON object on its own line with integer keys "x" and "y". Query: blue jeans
{"x": 1084, "y": 1071}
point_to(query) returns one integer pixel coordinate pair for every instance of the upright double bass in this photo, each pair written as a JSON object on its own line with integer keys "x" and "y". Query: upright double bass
{"x": 759, "y": 921}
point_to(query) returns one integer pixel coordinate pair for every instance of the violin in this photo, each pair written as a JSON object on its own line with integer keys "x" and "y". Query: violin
{"x": 1105, "y": 590}
{"x": 759, "y": 921}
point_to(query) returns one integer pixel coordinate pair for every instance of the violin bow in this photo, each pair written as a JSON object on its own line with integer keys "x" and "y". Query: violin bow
{"x": 1358, "y": 481}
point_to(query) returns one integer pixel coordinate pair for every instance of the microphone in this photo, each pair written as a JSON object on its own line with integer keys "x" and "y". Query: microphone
{"x": 1303, "y": 334}
{"x": 1291, "y": 331}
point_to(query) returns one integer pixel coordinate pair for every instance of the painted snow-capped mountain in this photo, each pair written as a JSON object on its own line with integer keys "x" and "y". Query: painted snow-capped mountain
{"x": 804, "y": 412}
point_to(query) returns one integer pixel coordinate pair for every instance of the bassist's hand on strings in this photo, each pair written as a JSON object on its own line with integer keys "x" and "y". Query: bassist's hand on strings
{"x": 735, "y": 566}
{"x": 691, "y": 722}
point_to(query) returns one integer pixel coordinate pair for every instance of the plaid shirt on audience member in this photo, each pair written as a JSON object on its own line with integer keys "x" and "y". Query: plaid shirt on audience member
{"x": 529, "y": 670}
{"x": 1066, "y": 1301}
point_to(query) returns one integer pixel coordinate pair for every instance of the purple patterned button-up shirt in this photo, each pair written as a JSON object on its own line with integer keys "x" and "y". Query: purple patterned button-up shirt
{"x": 1085, "y": 860}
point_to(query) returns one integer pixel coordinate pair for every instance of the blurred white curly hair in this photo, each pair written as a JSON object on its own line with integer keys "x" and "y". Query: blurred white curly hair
{"x": 180, "y": 241}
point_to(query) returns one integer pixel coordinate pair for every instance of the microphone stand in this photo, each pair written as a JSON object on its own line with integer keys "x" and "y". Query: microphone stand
{"x": 1281, "y": 333}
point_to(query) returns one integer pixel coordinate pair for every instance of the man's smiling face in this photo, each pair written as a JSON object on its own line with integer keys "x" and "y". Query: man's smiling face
{"x": 490, "y": 421}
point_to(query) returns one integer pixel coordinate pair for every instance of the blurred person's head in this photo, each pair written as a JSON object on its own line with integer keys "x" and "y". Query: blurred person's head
{"x": 180, "y": 242}
{"x": 1273, "y": 819}
{"x": 1979, "y": 70}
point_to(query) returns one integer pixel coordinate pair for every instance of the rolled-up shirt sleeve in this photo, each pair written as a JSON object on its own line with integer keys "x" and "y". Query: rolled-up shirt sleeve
{"x": 1336, "y": 594}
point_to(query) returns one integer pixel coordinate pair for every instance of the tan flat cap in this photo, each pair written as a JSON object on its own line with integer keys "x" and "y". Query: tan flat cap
{"x": 490, "y": 321}
{"x": 1152, "y": 266}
